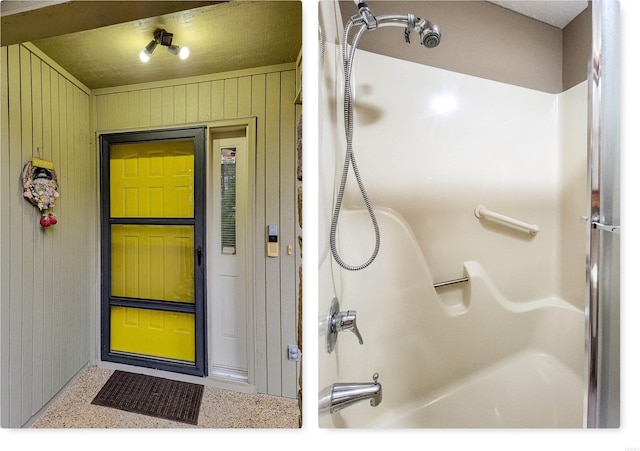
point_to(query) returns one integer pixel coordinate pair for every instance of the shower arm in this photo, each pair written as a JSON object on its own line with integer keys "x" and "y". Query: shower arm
{"x": 408, "y": 21}
{"x": 372, "y": 22}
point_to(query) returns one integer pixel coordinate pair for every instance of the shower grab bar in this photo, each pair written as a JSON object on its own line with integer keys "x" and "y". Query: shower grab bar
{"x": 481, "y": 211}
{"x": 450, "y": 282}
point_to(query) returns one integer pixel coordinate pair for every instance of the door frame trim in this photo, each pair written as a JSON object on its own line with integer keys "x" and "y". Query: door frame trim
{"x": 199, "y": 134}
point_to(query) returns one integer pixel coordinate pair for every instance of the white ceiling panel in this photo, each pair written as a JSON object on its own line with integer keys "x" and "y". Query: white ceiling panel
{"x": 557, "y": 13}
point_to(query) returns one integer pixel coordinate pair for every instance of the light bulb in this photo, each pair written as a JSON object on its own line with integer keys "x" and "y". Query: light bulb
{"x": 144, "y": 56}
{"x": 184, "y": 53}
{"x": 146, "y": 52}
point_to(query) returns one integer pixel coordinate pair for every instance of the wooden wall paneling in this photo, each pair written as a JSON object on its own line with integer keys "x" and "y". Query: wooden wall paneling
{"x": 180, "y": 106}
{"x": 47, "y": 248}
{"x": 5, "y": 236}
{"x": 38, "y": 242}
{"x": 168, "y": 106}
{"x": 91, "y": 213}
{"x": 144, "y": 115}
{"x": 83, "y": 212}
{"x": 93, "y": 286}
{"x": 288, "y": 267}
{"x": 66, "y": 200}
{"x": 45, "y": 283}
{"x": 76, "y": 171}
{"x": 230, "y": 98}
{"x": 69, "y": 265}
{"x": 272, "y": 216}
{"x": 244, "y": 97}
{"x": 112, "y": 111}
{"x": 68, "y": 237}
{"x": 155, "y": 99}
{"x": 122, "y": 108}
{"x": 258, "y": 109}
{"x": 15, "y": 310}
{"x": 133, "y": 108}
{"x": 204, "y": 101}
{"x": 29, "y": 221}
{"x": 81, "y": 170}
{"x": 84, "y": 247}
{"x": 102, "y": 114}
{"x": 217, "y": 100}
{"x": 192, "y": 103}
{"x": 62, "y": 294}
{"x": 57, "y": 253}
{"x": 62, "y": 207}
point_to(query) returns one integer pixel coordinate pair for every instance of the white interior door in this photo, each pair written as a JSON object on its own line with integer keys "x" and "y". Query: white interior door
{"x": 227, "y": 246}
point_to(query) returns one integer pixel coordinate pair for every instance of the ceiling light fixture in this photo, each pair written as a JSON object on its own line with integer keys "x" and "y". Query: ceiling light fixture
{"x": 163, "y": 37}
{"x": 145, "y": 54}
{"x": 182, "y": 52}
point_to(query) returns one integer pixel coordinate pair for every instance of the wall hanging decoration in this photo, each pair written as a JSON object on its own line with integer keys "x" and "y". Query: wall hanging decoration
{"x": 40, "y": 184}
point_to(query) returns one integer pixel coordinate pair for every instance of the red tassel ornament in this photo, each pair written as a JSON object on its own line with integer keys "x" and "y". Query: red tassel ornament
{"x": 45, "y": 221}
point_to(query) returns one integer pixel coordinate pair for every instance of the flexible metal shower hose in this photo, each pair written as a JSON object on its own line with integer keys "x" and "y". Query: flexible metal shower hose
{"x": 350, "y": 159}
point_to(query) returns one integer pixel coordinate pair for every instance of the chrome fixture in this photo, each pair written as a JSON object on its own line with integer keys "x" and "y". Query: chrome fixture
{"x": 603, "y": 263}
{"x": 338, "y": 321}
{"x": 429, "y": 37}
{"x": 450, "y": 282}
{"x": 163, "y": 37}
{"x": 338, "y": 396}
{"x": 429, "y": 32}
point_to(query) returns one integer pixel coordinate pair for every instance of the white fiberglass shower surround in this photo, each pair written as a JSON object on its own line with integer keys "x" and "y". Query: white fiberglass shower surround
{"x": 474, "y": 311}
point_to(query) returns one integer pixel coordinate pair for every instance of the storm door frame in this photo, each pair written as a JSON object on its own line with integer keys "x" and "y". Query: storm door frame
{"x": 198, "y": 308}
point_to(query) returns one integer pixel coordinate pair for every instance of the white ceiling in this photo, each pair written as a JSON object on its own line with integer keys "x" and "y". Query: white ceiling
{"x": 557, "y": 12}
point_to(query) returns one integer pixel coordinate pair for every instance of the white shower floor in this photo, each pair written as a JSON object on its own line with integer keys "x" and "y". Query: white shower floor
{"x": 528, "y": 390}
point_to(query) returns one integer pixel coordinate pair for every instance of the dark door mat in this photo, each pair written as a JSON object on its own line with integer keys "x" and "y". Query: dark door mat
{"x": 153, "y": 396}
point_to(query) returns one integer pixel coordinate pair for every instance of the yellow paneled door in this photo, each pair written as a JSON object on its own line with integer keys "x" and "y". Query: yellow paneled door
{"x": 153, "y": 263}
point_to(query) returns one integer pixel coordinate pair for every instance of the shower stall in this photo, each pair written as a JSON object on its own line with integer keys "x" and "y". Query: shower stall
{"x": 469, "y": 224}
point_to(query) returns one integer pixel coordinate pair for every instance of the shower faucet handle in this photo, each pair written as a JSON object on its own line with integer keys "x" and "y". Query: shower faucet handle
{"x": 346, "y": 321}
{"x": 337, "y": 321}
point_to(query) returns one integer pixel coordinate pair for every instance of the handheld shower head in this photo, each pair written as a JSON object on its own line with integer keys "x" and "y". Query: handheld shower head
{"x": 429, "y": 33}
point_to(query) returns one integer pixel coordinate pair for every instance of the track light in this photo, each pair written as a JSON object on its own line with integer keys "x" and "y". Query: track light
{"x": 163, "y": 37}
{"x": 182, "y": 52}
{"x": 145, "y": 54}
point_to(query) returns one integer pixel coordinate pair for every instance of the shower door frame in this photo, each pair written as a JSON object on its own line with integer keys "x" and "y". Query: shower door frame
{"x": 603, "y": 277}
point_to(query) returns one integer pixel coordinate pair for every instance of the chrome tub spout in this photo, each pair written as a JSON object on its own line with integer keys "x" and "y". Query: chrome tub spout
{"x": 340, "y": 395}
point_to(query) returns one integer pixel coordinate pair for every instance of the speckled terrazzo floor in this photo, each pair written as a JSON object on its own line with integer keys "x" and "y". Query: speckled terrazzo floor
{"x": 219, "y": 409}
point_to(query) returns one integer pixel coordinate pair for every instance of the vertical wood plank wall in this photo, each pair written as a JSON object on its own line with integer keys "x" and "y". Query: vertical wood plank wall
{"x": 48, "y": 276}
{"x": 267, "y": 94}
